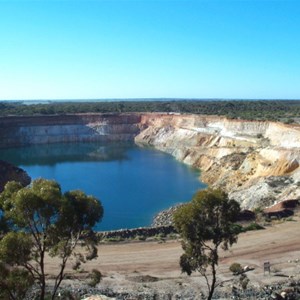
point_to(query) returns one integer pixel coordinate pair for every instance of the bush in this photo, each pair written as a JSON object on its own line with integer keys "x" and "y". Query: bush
{"x": 236, "y": 268}
{"x": 244, "y": 280}
{"x": 96, "y": 277}
{"x": 289, "y": 121}
{"x": 14, "y": 282}
{"x": 253, "y": 226}
{"x": 237, "y": 228}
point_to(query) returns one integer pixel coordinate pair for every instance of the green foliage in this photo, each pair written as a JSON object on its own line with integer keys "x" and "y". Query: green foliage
{"x": 253, "y": 226}
{"x": 258, "y": 210}
{"x": 43, "y": 220}
{"x": 236, "y": 268}
{"x": 237, "y": 228}
{"x": 140, "y": 237}
{"x": 96, "y": 277}
{"x": 205, "y": 224}
{"x": 234, "y": 109}
{"x": 32, "y": 206}
{"x": 3, "y": 225}
{"x": 113, "y": 239}
{"x": 15, "y": 248}
{"x": 289, "y": 121}
{"x": 14, "y": 283}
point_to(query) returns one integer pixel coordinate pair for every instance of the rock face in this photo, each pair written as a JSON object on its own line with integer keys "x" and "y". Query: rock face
{"x": 20, "y": 131}
{"x": 256, "y": 162}
{"x": 9, "y": 172}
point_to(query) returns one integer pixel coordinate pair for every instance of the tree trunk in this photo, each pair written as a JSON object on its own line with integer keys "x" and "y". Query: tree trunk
{"x": 213, "y": 282}
{"x": 43, "y": 279}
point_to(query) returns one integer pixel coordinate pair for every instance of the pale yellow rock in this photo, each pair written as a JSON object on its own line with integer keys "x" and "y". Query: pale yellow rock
{"x": 253, "y": 161}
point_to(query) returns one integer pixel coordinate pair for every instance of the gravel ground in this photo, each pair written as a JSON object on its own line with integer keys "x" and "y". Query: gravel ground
{"x": 150, "y": 270}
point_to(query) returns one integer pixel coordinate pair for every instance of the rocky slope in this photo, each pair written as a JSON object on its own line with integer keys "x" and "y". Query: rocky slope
{"x": 9, "y": 172}
{"x": 257, "y": 163}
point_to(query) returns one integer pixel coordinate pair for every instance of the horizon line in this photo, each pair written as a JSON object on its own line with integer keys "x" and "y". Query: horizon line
{"x": 148, "y": 99}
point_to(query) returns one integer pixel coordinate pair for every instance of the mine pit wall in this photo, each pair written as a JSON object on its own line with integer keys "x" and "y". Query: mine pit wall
{"x": 257, "y": 163}
{"x": 20, "y": 131}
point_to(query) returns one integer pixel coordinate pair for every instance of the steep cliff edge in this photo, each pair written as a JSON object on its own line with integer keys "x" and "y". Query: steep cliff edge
{"x": 20, "y": 131}
{"x": 257, "y": 163}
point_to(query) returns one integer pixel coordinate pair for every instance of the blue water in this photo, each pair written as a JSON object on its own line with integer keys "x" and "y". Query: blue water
{"x": 132, "y": 183}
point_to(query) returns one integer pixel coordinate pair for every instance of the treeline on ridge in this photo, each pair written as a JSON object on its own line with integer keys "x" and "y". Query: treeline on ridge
{"x": 275, "y": 110}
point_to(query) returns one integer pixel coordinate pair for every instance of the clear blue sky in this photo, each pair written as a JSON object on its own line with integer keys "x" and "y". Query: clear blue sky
{"x": 150, "y": 49}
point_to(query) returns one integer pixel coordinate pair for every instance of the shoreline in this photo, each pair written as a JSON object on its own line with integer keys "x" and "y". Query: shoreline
{"x": 141, "y": 233}
{"x": 160, "y": 227}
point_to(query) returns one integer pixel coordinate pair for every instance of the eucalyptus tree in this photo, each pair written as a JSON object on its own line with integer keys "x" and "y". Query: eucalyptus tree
{"x": 40, "y": 220}
{"x": 205, "y": 225}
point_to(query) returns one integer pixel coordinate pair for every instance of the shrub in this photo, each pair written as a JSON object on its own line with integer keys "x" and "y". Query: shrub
{"x": 244, "y": 280}
{"x": 289, "y": 121}
{"x": 253, "y": 226}
{"x": 236, "y": 268}
{"x": 96, "y": 277}
{"x": 14, "y": 282}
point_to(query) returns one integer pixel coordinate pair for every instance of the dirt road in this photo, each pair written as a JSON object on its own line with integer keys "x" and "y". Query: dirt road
{"x": 124, "y": 265}
{"x": 277, "y": 243}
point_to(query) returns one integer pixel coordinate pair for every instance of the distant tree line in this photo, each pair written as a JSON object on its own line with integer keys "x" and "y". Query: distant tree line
{"x": 283, "y": 110}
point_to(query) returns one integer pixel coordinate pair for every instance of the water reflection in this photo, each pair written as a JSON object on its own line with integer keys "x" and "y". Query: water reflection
{"x": 51, "y": 154}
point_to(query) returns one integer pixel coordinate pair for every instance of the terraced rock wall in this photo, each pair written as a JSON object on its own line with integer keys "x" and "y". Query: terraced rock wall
{"x": 257, "y": 163}
{"x": 19, "y": 131}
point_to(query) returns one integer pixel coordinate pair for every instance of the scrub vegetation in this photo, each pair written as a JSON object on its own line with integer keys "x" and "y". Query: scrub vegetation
{"x": 282, "y": 110}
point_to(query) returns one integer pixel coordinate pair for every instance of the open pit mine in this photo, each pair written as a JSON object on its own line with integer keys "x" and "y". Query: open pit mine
{"x": 256, "y": 162}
